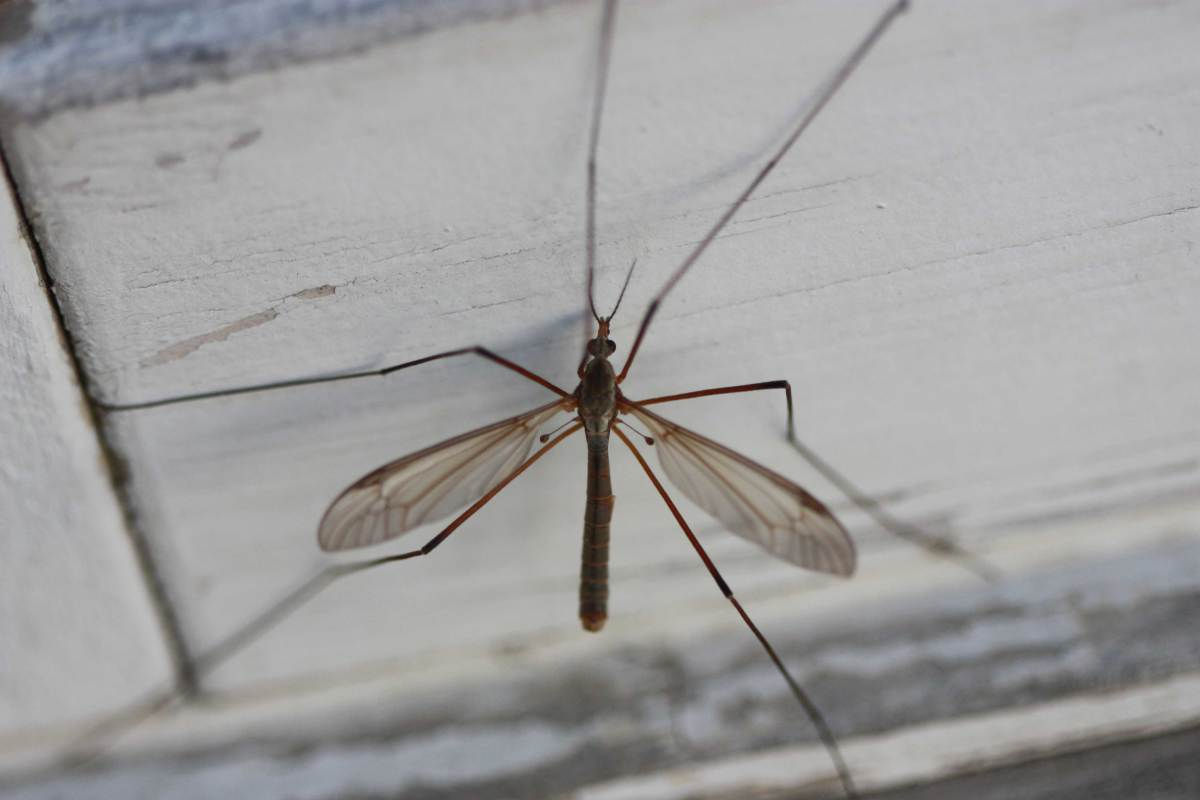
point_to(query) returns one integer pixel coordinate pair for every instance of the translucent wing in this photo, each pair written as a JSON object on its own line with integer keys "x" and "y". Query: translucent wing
{"x": 756, "y": 503}
{"x": 431, "y": 483}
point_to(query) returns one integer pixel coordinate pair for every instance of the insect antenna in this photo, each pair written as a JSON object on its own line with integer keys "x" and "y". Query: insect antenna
{"x": 624, "y": 286}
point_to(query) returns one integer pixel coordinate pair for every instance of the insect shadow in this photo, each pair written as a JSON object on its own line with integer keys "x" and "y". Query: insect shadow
{"x": 462, "y": 474}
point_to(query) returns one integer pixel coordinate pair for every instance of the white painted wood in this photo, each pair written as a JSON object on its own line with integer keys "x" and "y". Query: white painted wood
{"x": 78, "y": 637}
{"x": 977, "y": 270}
{"x": 906, "y": 641}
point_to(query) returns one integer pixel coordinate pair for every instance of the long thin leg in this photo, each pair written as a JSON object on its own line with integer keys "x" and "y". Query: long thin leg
{"x": 818, "y": 102}
{"x": 806, "y": 702}
{"x": 263, "y": 387}
{"x": 293, "y": 600}
{"x": 123, "y": 721}
{"x": 938, "y": 545}
{"x": 607, "y": 25}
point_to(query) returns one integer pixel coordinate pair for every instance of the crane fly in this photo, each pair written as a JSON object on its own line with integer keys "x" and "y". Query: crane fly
{"x": 470, "y": 469}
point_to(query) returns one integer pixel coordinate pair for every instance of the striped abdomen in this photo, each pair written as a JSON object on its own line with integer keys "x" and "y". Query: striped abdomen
{"x": 597, "y": 515}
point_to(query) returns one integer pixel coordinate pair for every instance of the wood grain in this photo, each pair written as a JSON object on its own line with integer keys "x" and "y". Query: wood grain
{"x": 78, "y": 635}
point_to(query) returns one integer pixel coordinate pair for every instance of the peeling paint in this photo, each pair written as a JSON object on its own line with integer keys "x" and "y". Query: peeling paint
{"x": 191, "y": 345}
{"x": 245, "y": 139}
{"x": 100, "y": 50}
{"x": 76, "y": 186}
{"x": 315, "y": 293}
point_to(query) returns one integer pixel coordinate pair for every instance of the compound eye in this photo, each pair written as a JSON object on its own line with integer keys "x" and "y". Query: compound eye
{"x": 611, "y": 345}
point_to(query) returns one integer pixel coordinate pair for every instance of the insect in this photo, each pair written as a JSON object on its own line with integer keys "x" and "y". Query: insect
{"x": 471, "y": 469}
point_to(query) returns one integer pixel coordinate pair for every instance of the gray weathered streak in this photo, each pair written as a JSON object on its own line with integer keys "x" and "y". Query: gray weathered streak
{"x": 1164, "y": 768}
{"x": 58, "y": 54}
{"x": 541, "y": 730}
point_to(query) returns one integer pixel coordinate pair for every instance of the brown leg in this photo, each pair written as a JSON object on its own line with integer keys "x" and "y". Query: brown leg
{"x": 810, "y": 708}
{"x": 429, "y": 546}
{"x": 938, "y": 545}
{"x": 208, "y": 661}
{"x": 482, "y": 352}
{"x": 85, "y": 749}
{"x": 607, "y": 24}
{"x": 816, "y": 103}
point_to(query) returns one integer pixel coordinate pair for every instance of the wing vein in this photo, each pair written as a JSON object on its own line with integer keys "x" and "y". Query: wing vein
{"x": 430, "y": 483}
{"x": 755, "y": 502}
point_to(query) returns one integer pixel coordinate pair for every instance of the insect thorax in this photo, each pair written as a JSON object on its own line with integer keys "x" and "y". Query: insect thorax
{"x": 597, "y": 396}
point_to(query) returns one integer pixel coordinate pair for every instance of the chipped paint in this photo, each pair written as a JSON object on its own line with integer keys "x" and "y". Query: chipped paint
{"x": 245, "y": 139}
{"x": 315, "y": 293}
{"x": 188, "y": 346}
